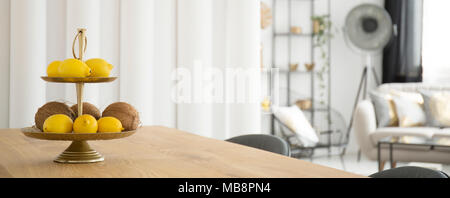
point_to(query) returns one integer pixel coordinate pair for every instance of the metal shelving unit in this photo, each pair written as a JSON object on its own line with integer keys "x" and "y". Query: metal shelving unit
{"x": 290, "y": 37}
{"x": 289, "y": 74}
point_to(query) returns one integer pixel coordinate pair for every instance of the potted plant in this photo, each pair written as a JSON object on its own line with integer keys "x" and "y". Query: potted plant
{"x": 322, "y": 35}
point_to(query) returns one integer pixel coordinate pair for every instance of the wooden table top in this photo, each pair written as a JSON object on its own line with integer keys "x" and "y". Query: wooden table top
{"x": 152, "y": 152}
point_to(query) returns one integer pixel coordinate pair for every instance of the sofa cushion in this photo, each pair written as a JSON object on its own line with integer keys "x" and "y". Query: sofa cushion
{"x": 296, "y": 121}
{"x": 384, "y": 109}
{"x": 380, "y": 133}
{"x": 410, "y": 95}
{"x": 409, "y": 111}
{"x": 437, "y": 108}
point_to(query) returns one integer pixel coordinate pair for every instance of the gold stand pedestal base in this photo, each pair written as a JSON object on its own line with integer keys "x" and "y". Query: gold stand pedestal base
{"x": 79, "y": 152}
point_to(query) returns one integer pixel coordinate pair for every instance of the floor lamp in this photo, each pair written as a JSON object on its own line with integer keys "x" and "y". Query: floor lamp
{"x": 368, "y": 28}
{"x": 363, "y": 86}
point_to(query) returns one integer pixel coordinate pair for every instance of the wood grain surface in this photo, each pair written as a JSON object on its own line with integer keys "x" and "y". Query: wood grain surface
{"x": 152, "y": 152}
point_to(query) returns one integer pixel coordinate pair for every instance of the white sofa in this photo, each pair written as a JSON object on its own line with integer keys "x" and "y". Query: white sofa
{"x": 367, "y": 133}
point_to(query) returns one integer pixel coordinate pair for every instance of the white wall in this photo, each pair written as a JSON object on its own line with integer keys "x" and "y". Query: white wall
{"x": 4, "y": 62}
{"x": 346, "y": 65}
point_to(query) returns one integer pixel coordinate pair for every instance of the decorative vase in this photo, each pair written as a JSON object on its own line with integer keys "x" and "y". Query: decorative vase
{"x": 304, "y": 104}
{"x": 309, "y": 66}
{"x": 296, "y": 30}
{"x": 293, "y": 66}
{"x": 316, "y": 26}
{"x": 266, "y": 16}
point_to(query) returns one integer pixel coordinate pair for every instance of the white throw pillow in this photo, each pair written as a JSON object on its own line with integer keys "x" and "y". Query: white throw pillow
{"x": 409, "y": 111}
{"x": 294, "y": 118}
{"x": 414, "y": 96}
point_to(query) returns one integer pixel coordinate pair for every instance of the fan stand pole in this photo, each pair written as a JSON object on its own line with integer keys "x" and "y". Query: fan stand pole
{"x": 363, "y": 85}
{"x": 370, "y": 69}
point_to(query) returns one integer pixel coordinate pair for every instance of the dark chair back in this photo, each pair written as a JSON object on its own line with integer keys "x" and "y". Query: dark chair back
{"x": 264, "y": 142}
{"x": 410, "y": 172}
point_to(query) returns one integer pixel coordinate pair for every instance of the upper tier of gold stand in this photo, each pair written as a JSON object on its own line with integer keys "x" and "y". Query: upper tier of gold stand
{"x": 78, "y": 79}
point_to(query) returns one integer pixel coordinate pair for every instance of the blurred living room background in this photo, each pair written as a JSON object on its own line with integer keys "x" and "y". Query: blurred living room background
{"x": 309, "y": 72}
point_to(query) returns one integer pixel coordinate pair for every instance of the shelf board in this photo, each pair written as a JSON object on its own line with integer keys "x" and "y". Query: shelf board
{"x": 294, "y": 35}
{"x": 298, "y": 0}
{"x": 270, "y": 113}
{"x": 316, "y": 109}
{"x": 265, "y": 113}
{"x": 296, "y": 71}
{"x": 288, "y": 71}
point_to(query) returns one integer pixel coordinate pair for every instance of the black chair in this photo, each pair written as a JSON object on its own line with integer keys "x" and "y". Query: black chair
{"x": 410, "y": 172}
{"x": 264, "y": 142}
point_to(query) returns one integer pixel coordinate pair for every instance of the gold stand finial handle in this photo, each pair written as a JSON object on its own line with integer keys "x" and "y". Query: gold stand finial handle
{"x": 82, "y": 44}
{"x": 80, "y": 98}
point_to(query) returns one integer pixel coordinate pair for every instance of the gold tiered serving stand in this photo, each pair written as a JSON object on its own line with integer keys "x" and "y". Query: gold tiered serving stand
{"x": 79, "y": 150}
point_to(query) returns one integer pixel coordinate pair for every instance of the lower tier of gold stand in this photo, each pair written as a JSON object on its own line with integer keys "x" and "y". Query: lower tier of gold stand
{"x": 79, "y": 152}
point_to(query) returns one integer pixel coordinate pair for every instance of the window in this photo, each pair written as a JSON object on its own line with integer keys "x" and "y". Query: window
{"x": 436, "y": 41}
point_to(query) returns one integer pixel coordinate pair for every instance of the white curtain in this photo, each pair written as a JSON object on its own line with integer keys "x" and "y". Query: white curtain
{"x": 27, "y": 59}
{"x": 136, "y": 56}
{"x": 242, "y": 52}
{"x": 194, "y": 49}
{"x": 146, "y": 41}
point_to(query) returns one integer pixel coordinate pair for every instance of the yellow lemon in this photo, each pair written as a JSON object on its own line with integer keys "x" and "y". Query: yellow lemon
{"x": 266, "y": 104}
{"x": 85, "y": 124}
{"x": 109, "y": 124}
{"x": 52, "y": 69}
{"x": 99, "y": 67}
{"x": 73, "y": 68}
{"x": 58, "y": 123}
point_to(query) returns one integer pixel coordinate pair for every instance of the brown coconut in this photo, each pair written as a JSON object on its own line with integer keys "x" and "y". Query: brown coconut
{"x": 50, "y": 109}
{"x": 126, "y": 113}
{"x": 88, "y": 108}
